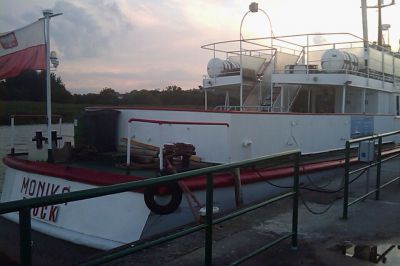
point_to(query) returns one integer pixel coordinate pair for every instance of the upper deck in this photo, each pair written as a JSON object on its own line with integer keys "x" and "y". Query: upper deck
{"x": 269, "y": 73}
{"x": 306, "y": 52}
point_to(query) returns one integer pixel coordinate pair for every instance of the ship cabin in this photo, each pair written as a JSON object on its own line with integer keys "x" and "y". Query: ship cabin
{"x": 308, "y": 73}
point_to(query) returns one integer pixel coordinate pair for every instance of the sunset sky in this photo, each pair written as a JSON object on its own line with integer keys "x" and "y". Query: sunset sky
{"x": 130, "y": 44}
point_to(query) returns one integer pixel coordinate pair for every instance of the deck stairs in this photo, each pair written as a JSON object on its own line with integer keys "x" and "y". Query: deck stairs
{"x": 252, "y": 99}
{"x": 276, "y": 91}
{"x": 292, "y": 100}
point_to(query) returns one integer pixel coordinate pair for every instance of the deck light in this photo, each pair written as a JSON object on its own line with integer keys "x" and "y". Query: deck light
{"x": 253, "y": 7}
{"x": 54, "y": 59}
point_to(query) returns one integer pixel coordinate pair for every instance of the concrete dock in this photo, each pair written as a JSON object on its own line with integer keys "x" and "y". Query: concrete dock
{"x": 322, "y": 236}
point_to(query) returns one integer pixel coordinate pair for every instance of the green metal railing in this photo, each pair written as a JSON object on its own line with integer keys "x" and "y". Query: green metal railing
{"x": 24, "y": 208}
{"x": 378, "y": 163}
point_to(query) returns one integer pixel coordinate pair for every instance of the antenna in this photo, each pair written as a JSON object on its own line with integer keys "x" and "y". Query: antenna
{"x": 379, "y": 6}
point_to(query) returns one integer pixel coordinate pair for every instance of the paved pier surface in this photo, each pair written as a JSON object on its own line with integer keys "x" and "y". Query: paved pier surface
{"x": 321, "y": 237}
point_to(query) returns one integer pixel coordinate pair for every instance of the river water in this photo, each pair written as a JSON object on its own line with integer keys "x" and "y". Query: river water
{"x": 23, "y": 135}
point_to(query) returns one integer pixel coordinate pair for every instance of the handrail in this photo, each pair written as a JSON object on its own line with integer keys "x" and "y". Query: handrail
{"x": 262, "y": 69}
{"x": 264, "y": 66}
{"x": 298, "y": 48}
{"x": 373, "y": 137}
{"x": 161, "y": 122}
{"x": 32, "y": 115}
{"x": 300, "y": 56}
{"x": 261, "y": 108}
{"x": 294, "y": 98}
{"x": 16, "y": 205}
{"x": 387, "y": 78}
{"x": 377, "y": 163}
{"x": 12, "y": 124}
{"x": 24, "y": 206}
{"x": 206, "y": 46}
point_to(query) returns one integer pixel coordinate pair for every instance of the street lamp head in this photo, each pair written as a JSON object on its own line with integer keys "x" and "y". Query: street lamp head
{"x": 47, "y": 12}
{"x": 253, "y": 7}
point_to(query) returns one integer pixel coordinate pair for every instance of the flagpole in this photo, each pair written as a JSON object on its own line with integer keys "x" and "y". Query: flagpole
{"x": 48, "y": 13}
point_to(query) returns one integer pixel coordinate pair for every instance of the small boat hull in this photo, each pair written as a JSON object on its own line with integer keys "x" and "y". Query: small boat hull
{"x": 110, "y": 221}
{"x": 105, "y": 222}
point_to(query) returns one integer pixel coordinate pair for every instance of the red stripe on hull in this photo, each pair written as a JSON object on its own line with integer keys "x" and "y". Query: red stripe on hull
{"x": 93, "y": 177}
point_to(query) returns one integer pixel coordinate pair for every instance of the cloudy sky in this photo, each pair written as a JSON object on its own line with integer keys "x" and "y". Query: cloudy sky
{"x": 131, "y": 44}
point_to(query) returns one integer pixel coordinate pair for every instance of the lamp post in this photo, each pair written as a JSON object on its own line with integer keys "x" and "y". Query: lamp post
{"x": 253, "y": 8}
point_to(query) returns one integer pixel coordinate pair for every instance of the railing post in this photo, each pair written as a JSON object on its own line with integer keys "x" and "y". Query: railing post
{"x": 346, "y": 180}
{"x": 25, "y": 251}
{"x": 161, "y": 153}
{"x": 128, "y": 148}
{"x": 12, "y": 134}
{"x": 209, "y": 216}
{"x": 378, "y": 169}
{"x": 59, "y": 125}
{"x": 238, "y": 187}
{"x": 295, "y": 200}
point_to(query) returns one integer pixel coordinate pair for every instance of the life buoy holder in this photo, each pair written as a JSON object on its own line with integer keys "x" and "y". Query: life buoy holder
{"x": 173, "y": 189}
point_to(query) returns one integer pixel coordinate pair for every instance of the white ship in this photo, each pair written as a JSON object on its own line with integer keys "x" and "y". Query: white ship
{"x": 294, "y": 94}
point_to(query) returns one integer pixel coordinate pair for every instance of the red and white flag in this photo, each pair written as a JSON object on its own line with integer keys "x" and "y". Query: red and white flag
{"x": 22, "y": 49}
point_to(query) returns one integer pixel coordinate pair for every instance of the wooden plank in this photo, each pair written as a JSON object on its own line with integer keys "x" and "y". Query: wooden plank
{"x": 238, "y": 187}
{"x": 140, "y": 144}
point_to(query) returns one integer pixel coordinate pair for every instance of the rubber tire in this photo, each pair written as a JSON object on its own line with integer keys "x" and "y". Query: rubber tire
{"x": 176, "y": 198}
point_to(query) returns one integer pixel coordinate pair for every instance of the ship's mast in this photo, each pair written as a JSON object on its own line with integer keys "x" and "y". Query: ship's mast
{"x": 379, "y": 6}
{"x": 365, "y": 30}
{"x": 380, "y": 41}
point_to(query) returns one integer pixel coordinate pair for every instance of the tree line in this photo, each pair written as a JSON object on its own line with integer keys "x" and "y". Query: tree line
{"x": 31, "y": 86}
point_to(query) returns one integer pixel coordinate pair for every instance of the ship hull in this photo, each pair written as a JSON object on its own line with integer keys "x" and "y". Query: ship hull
{"x": 111, "y": 221}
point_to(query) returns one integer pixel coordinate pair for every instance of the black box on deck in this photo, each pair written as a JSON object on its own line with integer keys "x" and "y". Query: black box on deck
{"x": 100, "y": 129}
